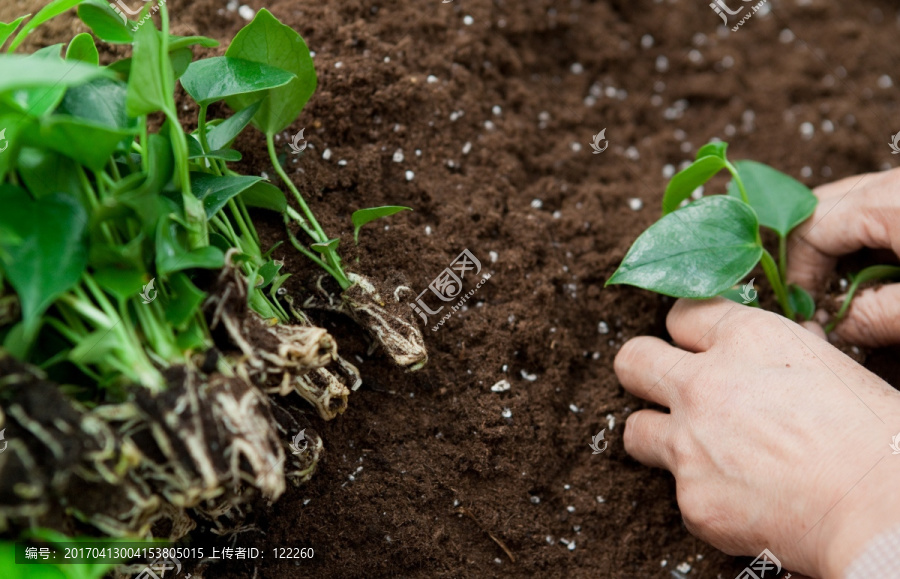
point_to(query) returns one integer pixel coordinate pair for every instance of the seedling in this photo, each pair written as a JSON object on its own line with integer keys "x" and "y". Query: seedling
{"x": 703, "y": 248}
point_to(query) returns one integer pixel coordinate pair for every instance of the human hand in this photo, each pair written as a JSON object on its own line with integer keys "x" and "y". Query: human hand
{"x": 776, "y": 439}
{"x": 856, "y": 212}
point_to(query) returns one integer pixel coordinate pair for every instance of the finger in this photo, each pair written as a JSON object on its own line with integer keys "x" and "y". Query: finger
{"x": 647, "y": 438}
{"x": 852, "y": 213}
{"x": 690, "y": 322}
{"x": 642, "y": 364}
{"x": 874, "y": 317}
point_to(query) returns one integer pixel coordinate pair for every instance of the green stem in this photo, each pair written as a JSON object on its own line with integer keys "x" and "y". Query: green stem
{"x": 320, "y": 236}
{"x": 737, "y": 179}
{"x": 771, "y": 271}
{"x": 870, "y": 273}
{"x": 782, "y": 257}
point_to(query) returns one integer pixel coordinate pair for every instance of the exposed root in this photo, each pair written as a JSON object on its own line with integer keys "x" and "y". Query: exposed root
{"x": 62, "y": 460}
{"x": 271, "y": 352}
{"x": 205, "y": 437}
{"x": 299, "y": 466}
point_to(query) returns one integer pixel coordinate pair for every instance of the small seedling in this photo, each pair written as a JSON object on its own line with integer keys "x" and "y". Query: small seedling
{"x": 703, "y": 248}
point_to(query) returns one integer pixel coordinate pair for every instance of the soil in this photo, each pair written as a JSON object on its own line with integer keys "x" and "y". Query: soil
{"x": 431, "y": 474}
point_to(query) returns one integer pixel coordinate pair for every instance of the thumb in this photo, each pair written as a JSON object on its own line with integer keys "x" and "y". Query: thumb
{"x": 874, "y": 317}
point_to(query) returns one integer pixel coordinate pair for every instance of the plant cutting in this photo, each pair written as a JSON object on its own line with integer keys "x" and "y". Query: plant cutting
{"x": 388, "y": 323}
{"x": 164, "y": 415}
{"x": 703, "y": 248}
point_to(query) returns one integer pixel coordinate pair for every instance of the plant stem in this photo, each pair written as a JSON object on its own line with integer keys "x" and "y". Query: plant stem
{"x": 782, "y": 258}
{"x": 771, "y": 271}
{"x": 868, "y": 274}
{"x": 737, "y": 179}
{"x": 319, "y": 236}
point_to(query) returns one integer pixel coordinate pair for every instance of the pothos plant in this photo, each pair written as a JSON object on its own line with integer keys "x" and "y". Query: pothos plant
{"x": 125, "y": 246}
{"x": 701, "y": 249}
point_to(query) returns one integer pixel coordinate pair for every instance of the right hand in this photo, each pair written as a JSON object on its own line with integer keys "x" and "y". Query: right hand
{"x": 856, "y": 212}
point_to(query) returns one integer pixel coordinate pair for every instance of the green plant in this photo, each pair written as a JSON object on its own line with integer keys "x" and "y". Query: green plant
{"x": 702, "y": 249}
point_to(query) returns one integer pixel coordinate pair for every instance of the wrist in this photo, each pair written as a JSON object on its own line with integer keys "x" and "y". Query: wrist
{"x": 869, "y": 509}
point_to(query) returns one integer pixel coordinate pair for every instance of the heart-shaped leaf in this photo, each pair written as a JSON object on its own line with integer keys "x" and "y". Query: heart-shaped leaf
{"x": 801, "y": 302}
{"x": 684, "y": 182}
{"x": 222, "y": 135}
{"x": 49, "y": 257}
{"x": 696, "y": 252}
{"x": 215, "y": 191}
{"x": 780, "y": 201}
{"x": 82, "y": 49}
{"x": 105, "y": 23}
{"x": 213, "y": 79}
{"x": 327, "y": 247}
{"x": 269, "y": 41}
{"x": 714, "y": 149}
{"x": 264, "y": 195}
{"x": 363, "y": 216}
{"x": 151, "y": 81}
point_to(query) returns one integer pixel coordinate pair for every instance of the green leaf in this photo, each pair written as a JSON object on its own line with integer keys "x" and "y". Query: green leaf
{"x": 96, "y": 347}
{"x": 51, "y": 10}
{"x": 213, "y": 79}
{"x": 268, "y": 272}
{"x": 268, "y": 41}
{"x": 151, "y": 80}
{"x": 221, "y": 136}
{"x": 801, "y": 302}
{"x": 172, "y": 255}
{"x": 215, "y": 191}
{"x": 715, "y": 149}
{"x": 49, "y": 258}
{"x": 179, "y": 42}
{"x": 264, "y": 195}
{"x": 195, "y": 151}
{"x": 39, "y": 100}
{"x": 82, "y": 49}
{"x": 86, "y": 142}
{"x": 119, "y": 269}
{"x": 19, "y": 72}
{"x": 697, "y": 252}
{"x": 181, "y": 60}
{"x": 780, "y": 201}
{"x": 6, "y": 30}
{"x": 184, "y": 302}
{"x": 684, "y": 182}
{"x": 101, "y": 102}
{"x": 736, "y": 295}
{"x": 105, "y": 23}
{"x": 327, "y": 247}
{"x": 45, "y": 172}
{"x": 363, "y": 216}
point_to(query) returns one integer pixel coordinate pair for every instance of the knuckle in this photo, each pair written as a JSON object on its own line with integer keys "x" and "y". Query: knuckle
{"x": 866, "y": 322}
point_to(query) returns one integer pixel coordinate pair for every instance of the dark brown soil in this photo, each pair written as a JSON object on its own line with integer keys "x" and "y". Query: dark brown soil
{"x": 445, "y": 478}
